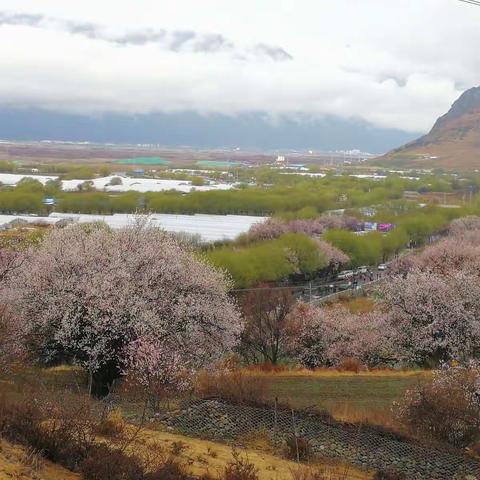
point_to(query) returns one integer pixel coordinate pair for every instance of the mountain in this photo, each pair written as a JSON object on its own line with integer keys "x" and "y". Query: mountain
{"x": 247, "y": 130}
{"x": 453, "y": 142}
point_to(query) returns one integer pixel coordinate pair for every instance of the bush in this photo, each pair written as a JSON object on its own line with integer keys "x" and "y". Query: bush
{"x": 350, "y": 364}
{"x": 111, "y": 426}
{"x": 240, "y": 468}
{"x": 445, "y": 408}
{"x": 320, "y": 473}
{"x": 62, "y": 428}
{"x": 267, "y": 367}
{"x": 170, "y": 469}
{"x": 298, "y": 449}
{"x": 116, "y": 181}
{"x": 105, "y": 463}
{"x": 235, "y": 387}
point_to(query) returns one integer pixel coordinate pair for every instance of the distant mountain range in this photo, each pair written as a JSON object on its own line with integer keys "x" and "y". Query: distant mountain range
{"x": 248, "y": 131}
{"x": 453, "y": 142}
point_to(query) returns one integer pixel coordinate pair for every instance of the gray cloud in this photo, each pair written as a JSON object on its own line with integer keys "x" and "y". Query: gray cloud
{"x": 277, "y": 54}
{"x": 213, "y": 43}
{"x": 89, "y": 30}
{"x": 141, "y": 38}
{"x": 26, "y": 19}
{"x": 175, "y": 40}
{"x": 180, "y": 39}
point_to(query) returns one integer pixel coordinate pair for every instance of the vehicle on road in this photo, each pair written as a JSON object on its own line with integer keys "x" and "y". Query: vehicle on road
{"x": 361, "y": 270}
{"x": 344, "y": 286}
{"x": 344, "y": 274}
{"x": 382, "y": 267}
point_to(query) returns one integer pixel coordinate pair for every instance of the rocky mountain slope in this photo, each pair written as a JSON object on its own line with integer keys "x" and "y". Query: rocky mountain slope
{"x": 453, "y": 142}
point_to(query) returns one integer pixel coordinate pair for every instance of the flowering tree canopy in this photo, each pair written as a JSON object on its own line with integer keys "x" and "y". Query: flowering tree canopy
{"x": 86, "y": 294}
{"x": 435, "y": 317}
{"x": 11, "y": 348}
{"x": 433, "y": 298}
{"x": 327, "y": 335}
{"x": 445, "y": 407}
{"x": 273, "y": 228}
{"x": 465, "y": 224}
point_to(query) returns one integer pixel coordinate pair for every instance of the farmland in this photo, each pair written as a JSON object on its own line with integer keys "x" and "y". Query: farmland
{"x": 348, "y": 396}
{"x": 120, "y": 261}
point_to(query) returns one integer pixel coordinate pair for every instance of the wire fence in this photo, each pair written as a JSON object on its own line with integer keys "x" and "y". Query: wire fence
{"x": 364, "y": 447}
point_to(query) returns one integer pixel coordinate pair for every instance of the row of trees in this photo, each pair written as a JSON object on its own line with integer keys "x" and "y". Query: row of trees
{"x": 428, "y": 313}
{"x": 274, "y": 260}
{"x": 135, "y": 300}
{"x": 316, "y": 194}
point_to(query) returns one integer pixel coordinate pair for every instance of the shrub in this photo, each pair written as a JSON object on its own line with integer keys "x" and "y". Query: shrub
{"x": 297, "y": 448}
{"x": 111, "y": 426}
{"x": 445, "y": 408}
{"x": 178, "y": 448}
{"x": 61, "y": 428}
{"x": 350, "y": 364}
{"x": 240, "y": 468}
{"x": 170, "y": 469}
{"x": 105, "y": 463}
{"x": 116, "y": 181}
{"x": 235, "y": 387}
{"x": 320, "y": 473}
{"x": 267, "y": 367}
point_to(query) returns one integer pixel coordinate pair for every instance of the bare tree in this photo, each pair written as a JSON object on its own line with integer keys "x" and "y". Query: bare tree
{"x": 267, "y": 323}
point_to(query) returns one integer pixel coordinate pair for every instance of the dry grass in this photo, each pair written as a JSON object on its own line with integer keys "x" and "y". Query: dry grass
{"x": 196, "y": 455}
{"x": 334, "y": 372}
{"x": 18, "y": 463}
{"x": 366, "y": 396}
{"x": 357, "y": 304}
{"x": 344, "y": 412}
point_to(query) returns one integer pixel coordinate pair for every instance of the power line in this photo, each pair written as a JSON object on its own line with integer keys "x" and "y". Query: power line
{"x": 471, "y": 2}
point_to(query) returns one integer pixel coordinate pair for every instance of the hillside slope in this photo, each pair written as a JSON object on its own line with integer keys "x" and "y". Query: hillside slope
{"x": 19, "y": 463}
{"x": 453, "y": 142}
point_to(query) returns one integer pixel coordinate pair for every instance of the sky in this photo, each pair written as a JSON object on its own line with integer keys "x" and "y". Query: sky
{"x": 394, "y": 64}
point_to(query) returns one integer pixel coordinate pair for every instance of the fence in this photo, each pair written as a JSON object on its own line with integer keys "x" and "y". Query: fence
{"x": 359, "y": 290}
{"x": 365, "y": 447}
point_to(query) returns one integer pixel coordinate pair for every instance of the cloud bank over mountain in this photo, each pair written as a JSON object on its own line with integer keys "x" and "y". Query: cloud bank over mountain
{"x": 383, "y": 63}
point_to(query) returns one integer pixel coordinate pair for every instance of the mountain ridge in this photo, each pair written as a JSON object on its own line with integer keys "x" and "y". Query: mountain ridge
{"x": 452, "y": 143}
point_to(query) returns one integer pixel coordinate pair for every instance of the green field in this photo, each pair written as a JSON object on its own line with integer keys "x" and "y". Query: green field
{"x": 214, "y": 163}
{"x": 143, "y": 161}
{"x": 349, "y": 397}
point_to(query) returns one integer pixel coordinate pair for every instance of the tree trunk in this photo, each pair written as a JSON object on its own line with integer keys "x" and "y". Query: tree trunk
{"x": 103, "y": 378}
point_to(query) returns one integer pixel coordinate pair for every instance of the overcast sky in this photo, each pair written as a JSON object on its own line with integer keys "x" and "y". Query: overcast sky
{"x": 394, "y": 63}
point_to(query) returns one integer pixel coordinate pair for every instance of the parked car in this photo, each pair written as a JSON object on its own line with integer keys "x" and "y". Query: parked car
{"x": 382, "y": 267}
{"x": 345, "y": 274}
{"x": 361, "y": 270}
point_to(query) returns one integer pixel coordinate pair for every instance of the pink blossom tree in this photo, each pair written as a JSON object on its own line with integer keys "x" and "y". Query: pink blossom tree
{"x": 435, "y": 317}
{"x": 270, "y": 229}
{"x": 464, "y": 224}
{"x": 273, "y": 228}
{"x": 454, "y": 253}
{"x": 86, "y": 294}
{"x": 445, "y": 407}
{"x": 10, "y": 328}
{"x": 328, "y": 335}
{"x": 334, "y": 257}
{"x": 156, "y": 369}
{"x": 11, "y": 335}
